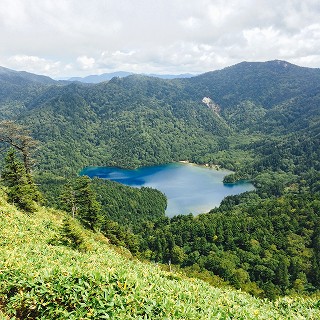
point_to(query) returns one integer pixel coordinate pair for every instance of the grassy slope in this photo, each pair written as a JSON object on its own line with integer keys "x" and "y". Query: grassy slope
{"x": 39, "y": 280}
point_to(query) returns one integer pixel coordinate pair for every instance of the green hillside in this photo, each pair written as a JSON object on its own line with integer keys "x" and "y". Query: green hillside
{"x": 126, "y": 122}
{"x": 42, "y": 277}
{"x": 139, "y": 120}
{"x": 261, "y": 120}
{"x": 17, "y": 89}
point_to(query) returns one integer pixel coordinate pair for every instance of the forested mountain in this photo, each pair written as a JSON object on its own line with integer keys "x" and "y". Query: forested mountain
{"x": 262, "y": 95}
{"x": 18, "y": 88}
{"x": 261, "y": 120}
{"x": 12, "y": 77}
{"x": 264, "y": 83}
{"x": 126, "y": 122}
{"x": 139, "y": 120}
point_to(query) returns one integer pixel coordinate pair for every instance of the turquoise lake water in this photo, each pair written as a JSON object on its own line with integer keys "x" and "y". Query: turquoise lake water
{"x": 189, "y": 188}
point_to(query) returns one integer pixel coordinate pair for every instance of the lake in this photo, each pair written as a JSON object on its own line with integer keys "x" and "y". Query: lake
{"x": 189, "y": 188}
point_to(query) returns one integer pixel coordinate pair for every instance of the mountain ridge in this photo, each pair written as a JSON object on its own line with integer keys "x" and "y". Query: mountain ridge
{"x": 9, "y": 75}
{"x": 260, "y": 120}
{"x": 255, "y": 98}
{"x": 121, "y": 74}
{"x": 109, "y": 75}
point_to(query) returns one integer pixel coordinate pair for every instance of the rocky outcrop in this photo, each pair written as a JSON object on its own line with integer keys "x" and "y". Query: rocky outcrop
{"x": 212, "y": 105}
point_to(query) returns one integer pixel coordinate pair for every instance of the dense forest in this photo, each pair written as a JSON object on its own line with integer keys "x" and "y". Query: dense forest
{"x": 260, "y": 120}
{"x": 54, "y": 268}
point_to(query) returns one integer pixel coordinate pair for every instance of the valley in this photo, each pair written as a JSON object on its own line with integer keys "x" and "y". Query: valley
{"x": 188, "y": 188}
{"x": 261, "y": 120}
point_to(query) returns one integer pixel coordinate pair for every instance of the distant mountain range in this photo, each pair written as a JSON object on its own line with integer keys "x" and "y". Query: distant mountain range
{"x": 22, "y": 77}
{"x": 122, "y": 74}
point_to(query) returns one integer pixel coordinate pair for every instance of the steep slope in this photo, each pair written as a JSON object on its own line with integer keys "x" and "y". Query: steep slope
{"x": 42, "y": 278}
{"x": 126, "y": 122}
{"x": 274, "y": 102}
{"x": 264, "y": 83}
{"x": 21, "y": 77}
{"x": 261, "y": 94}
{"x": 18, "y": 88}
{"x": 140, "y": 120}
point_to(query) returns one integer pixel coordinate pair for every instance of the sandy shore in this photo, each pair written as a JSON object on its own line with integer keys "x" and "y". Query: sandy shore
{"x": 206, "y": 165}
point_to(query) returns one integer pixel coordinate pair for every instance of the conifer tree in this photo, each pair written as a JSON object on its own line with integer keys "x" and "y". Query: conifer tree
{"x": 89, "y": 207}
{"x": 315, "y": 261}
{"x": 21, "y": 189}
{"x": 79, "y": 199}
{"x": 18, "y": 137}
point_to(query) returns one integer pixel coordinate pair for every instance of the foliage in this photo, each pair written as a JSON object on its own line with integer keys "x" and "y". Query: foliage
{"x": 129, "y": 206}
{"x": 18, "y": 137}
{"x": 21, "y": 189}
{"x": 122, "y": 209}
{"x": 271, "y": 244}
{"x": 265, "y": 127}
{"x": 79, "y": 199}
{"x": 73, "y": 235}
{"x": 43, "y": 281}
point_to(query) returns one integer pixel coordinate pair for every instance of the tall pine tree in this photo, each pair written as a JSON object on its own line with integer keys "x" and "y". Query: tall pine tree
{"x": 79, "y": 199}
{"x": 21, "y": 189}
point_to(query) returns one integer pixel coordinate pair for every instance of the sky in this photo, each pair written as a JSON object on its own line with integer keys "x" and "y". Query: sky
{"x": 65, "y": 38}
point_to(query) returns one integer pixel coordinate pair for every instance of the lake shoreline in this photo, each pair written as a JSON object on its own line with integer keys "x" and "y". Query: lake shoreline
{"x": 206, "y": 165}
{"x": 189, "y": 187}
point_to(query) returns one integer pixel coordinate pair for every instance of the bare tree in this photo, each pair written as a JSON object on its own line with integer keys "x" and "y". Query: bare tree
{"x": 19, "y": 137}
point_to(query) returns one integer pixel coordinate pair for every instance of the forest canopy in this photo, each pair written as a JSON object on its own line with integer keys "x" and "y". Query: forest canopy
{"x": 262, "y": 122}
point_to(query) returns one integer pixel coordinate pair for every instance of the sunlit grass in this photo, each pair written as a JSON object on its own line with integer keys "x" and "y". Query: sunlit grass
{"x": 42, "y": 279}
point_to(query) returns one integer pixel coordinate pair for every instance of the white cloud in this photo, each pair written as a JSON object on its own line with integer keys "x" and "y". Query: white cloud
{"x": 85, "y": 62}
{"x": 77, "y": 37}
{"x": 34, "y": 64}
